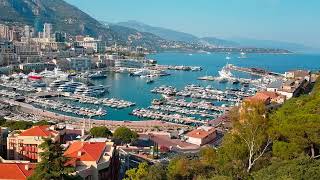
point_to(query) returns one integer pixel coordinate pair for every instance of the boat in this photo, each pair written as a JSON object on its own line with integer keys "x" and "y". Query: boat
{"x": 97, "y": 75}
{"x": 90, "y": 90}
{"x": 149, "y": 81}
{"x": 225, "y": 73}
{"x": 34, "y": 76}
{"x": 69, "y": 86}
{"x": 228, "y": 57}
{"x": 57, "y": 83}
{"x": 38, "y": 84}
{"x": 196, "y": 68}
{"x": 242, "y": 55}
{"x": 141, "y": 72}
{"x": 56, "y": 73}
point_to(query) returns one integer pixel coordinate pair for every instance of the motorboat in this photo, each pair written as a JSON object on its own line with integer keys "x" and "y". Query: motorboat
{"x": 97, "y": 75}
{"x": 57, "y": 83}
{"x": 34, "y": 76}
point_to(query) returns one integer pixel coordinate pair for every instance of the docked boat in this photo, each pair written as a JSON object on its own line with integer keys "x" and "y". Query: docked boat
{"x": 196, "y": 68}
{"x": 149, "y": 81}
{"x": 141, "y": 72}
{"x": 97, "y": 75}
{"x": 57, "y": 83}
{"x": 69, "y": 86}
{"x": 90, "y": 90}
{"x": 38, "y": 84}
{"x": 34, "y": 76}
{"x": 56, "y": 73}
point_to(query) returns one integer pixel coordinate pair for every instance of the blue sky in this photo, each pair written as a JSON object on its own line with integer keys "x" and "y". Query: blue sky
{"x": 284, "y": 20}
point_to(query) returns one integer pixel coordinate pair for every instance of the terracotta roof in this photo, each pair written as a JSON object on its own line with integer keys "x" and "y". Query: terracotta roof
{"x": 90, "y": 151}
{"x": 43, "y": 131}
{"x": 16, "y": 170}
{"x": 272, "y": 95}
{"x": 200, "y": 133}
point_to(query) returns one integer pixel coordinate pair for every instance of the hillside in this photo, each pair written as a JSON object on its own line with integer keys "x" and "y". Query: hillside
{"x": 69, "y": 19}
{"x": 164, "y": 33}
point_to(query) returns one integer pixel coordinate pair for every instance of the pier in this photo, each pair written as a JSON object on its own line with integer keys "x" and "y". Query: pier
{"x": 253, "y": 71}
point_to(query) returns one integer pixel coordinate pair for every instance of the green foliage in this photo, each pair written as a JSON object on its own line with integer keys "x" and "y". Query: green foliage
{"x": 304, "y": 168}
{"x": 297, "y": 126}
{"x": 42, "y": 123}
{"x": 18, "y": 125}
{"x": 125, "y": 135}
{"x": 138, "y": 173}
{"x": 100, "y": 131}
{"x": 52, "y": 164}
{"x": 2, "y": 121}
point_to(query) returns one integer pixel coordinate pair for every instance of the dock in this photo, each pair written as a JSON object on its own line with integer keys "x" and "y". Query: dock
{"x": 253, "y": 71}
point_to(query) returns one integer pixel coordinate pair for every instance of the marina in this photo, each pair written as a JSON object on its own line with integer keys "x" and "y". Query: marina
{"x": 183, "y": 90}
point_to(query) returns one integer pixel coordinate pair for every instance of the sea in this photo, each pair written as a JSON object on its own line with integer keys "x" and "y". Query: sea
{"x": 135, "y": 89}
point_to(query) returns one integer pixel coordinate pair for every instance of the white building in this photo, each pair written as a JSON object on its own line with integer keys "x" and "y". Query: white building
{"x": 201, "y": 136}
{"x": 47, "y": 30}
{"x": 80, "y": 63}
{"x": 91, "y": 43}
{"x": 128, "y": 63}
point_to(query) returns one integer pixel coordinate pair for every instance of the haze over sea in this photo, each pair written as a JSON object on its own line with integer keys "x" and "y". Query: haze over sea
{"x": 136, "y": 89}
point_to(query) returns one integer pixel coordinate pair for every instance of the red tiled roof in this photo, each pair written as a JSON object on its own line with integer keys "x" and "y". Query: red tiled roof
{"x": 15, "y": 170}
{"x": 90, "y": 151}
{"x": 272, "y": 95}
{"x": 200, "y": 133}
{"x": 42, "y": 131}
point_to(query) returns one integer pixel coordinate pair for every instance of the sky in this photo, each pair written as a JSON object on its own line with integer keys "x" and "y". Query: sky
{"x": 283, "y": 20}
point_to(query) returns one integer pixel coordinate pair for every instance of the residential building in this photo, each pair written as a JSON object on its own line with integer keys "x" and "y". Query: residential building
{"x": 80, "y": 63}
{"x": 47, "y": 30}
{"x": 23, "y": 144}
{"x": 94, "y": 160}
{"x": 298, "y": 74}
{"x": 90, "y": 43}
{"x": 3, "y": 141}
{"x": 4, "y": 32}
{"x": 37, "y": 67}
{"x": 201, "y": 136}
{"x": 266, "y": 97}
{"x": 129, "y": 63}
{"x": 16, "y": 170}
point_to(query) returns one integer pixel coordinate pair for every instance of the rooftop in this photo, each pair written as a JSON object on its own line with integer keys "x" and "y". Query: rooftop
{"x": 16, "y": 170}
{"x": 86, "y": 151}
{"x": 43, "y": 131}
{"x": 201, "y": 132}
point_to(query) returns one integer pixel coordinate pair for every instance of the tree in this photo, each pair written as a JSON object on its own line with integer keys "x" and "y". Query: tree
{"x": 100, "y": 131}
{"x": 18, "y": 125}
{"x": 137, "y": 173}
{"x": 157, "y": 172}
{"x": 302, "y": 168}
{"x": 296, "y": 127}
{"x": 125, "y": 135}
{"x": 42, "y": 123}
{"x": 252, "y": 128}
{"x": 53, "y": 162}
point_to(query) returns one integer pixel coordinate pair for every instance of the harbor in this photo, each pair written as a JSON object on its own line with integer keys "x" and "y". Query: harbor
{"x": 187, "y": 98}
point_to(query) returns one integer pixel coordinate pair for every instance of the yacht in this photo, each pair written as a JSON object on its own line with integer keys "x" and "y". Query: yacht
{"x": 69, "y": 86}
{"x": 38, "y": 84}
{"x": 57, "y": 83}
{"x": 225, "y": 73}
{"x": 56, "y": 73}
{"x": 141, "y": 72}
{"x": 242, "y": 55}
{"x": 34, "y": 76}
{"x": 97, "y": 75}
{"x": 90, "y": 90}
{"x": 228, "y": 57}
{"x": 196, "y": 68}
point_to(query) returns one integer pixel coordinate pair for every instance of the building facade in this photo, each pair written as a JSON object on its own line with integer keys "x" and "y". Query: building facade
{"x": 23, "y": 145}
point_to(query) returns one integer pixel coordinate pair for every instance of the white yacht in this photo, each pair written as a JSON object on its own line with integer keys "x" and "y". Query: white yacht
{"x": 69, "y": 86}
{"x": 97, "y": 75}
{"x": 90, "y": 90}
{"x": 141, "y": 72}
{"x": 57, "y": 83}
{"x": 225, "y": 73}
{"x": 56, "y": 73}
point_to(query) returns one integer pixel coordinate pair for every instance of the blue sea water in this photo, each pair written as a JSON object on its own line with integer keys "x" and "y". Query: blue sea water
{"x": 136, "y": 89}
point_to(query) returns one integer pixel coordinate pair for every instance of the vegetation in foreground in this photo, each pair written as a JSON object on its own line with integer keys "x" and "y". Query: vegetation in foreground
{"x": 283, "y": 144}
